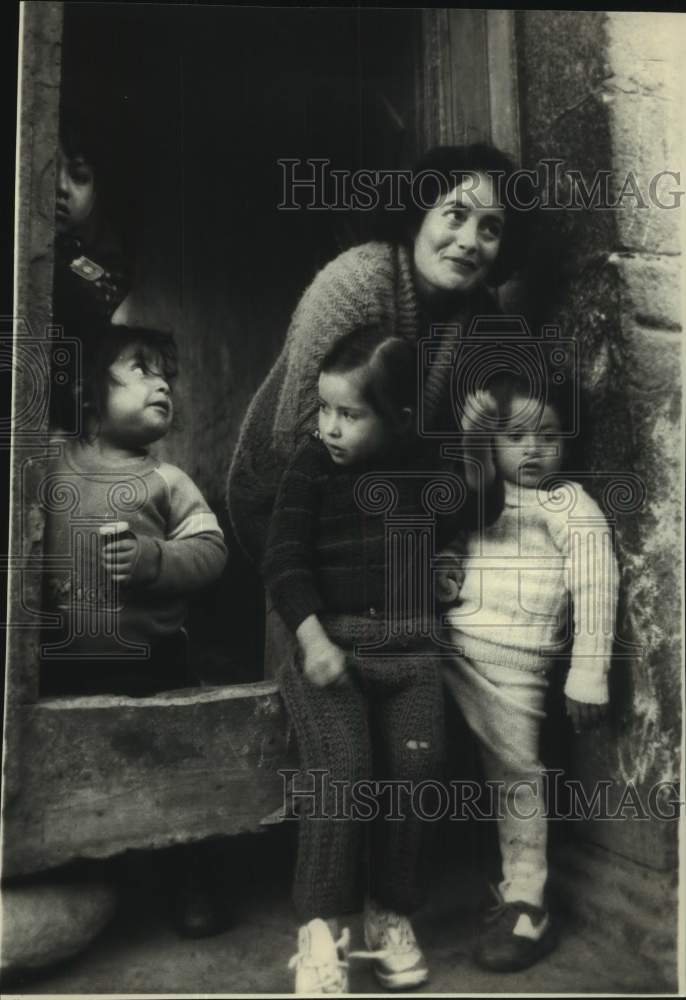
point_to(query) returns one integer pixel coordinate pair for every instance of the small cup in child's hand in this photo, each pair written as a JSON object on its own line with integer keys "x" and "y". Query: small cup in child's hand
{"x": 114, "y": 530}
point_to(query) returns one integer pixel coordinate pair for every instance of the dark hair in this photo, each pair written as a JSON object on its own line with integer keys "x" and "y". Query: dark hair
{"x": 156, "y": 351}
{"x": 388, "y": 368}
{"x": 444, "y": 167}
{"x": 84, "y": 134}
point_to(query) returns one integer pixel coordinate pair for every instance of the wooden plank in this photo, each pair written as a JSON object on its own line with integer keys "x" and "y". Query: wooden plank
{"x": 466, "y": 80}
{"x": 108, "y": 774}
{"x": 39, "y": 68}
{"x": 466, "y": 66}
{"x": 502, "y": 81}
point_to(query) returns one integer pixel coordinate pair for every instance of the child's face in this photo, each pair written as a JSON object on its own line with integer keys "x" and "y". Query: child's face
{"x": 139, "y": 406}
{"x": 458, "y": 241}
{"x": 350, "y": 429}
{"x": 75, "y": 198}
{"x": 530, "y": 445}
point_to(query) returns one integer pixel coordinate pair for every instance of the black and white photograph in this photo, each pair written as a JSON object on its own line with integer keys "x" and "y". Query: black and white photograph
{"x": 342, "y": 379}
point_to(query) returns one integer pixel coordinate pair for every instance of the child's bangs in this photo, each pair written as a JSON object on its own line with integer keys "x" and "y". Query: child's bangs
{"x": 158, "y": 357}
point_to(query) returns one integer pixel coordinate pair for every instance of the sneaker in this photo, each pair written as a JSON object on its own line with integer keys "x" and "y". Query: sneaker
{"x": 515, "y": 936}
{"x": 321, "y": 964}
{"x": 399, "y": 962}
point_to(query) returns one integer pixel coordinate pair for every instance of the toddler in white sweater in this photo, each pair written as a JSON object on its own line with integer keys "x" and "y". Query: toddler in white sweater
{"x": 543, "y": 574}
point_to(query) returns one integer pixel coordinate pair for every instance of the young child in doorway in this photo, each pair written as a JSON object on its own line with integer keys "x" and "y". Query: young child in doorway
{"x": 123, "y": 595}
{"x": 544, "y": 572}
{"x": 368, "y": 715}
{"x": 129, "y": 539}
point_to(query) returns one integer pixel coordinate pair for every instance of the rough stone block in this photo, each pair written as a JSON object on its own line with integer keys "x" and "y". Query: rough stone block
{"x": 102, "y": 775}
{"x": 44, "y": 924}
{"x": 646, "y": 46}
{"x": 650, "y": 289}
{"x": 646, "y": 143}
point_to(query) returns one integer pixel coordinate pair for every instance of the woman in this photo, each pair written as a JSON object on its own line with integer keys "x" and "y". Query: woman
{"x": 462, "y": 239}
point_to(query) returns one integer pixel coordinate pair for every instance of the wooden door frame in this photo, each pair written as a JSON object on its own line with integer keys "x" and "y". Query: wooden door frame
{"x": 90, "y": 777}
{"x": 466, "y": 84}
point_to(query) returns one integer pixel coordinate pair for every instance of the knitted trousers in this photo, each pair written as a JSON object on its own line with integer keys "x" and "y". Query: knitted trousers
{"x": 504, "y": 709}
{"x": 384, "y": 725}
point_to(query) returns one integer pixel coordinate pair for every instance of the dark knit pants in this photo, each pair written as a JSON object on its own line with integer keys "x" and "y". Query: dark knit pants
{"x": 386, "y": 724}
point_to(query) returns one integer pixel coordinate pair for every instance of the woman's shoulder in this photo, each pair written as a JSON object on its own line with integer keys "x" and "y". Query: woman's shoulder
{"x": 361, "y": 265}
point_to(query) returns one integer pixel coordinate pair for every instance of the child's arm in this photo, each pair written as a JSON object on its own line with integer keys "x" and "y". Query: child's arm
{"x": 288, "y": 566}
{"x": 592, "y": 576}
{"x": 191, "y": 556}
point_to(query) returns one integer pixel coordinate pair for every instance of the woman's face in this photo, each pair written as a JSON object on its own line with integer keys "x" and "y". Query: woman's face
{"x": 75, "y": 198}
{"x": 459, "y": 239}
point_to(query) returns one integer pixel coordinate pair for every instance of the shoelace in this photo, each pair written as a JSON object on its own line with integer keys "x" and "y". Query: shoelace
{"x": 398, "y": 932}
{"x": 329, "y": 977}
{"x": 500, "y": 907}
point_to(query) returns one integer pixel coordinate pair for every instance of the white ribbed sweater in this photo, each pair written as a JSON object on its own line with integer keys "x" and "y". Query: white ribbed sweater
{"x": 520, "y": 574}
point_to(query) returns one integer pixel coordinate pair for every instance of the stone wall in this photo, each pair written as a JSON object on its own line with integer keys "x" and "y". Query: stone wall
{"x": 600, "y": 92}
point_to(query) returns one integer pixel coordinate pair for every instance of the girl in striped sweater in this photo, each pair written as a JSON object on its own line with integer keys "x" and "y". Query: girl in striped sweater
{"x": 543, "y": 574}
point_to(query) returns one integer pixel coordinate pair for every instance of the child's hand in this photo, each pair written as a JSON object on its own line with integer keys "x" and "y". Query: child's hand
{"x": 324, "y": 664}
{"x": 480, "y": 412}
{"x": 129, "y": 558}
{"x": 448, "y": 585}
{"x": 584, "y": 715}
{"x": 120, "y": 556}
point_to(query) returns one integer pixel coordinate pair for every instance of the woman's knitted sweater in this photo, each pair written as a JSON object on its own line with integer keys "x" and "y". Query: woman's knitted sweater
{"x": 371, "y": 284}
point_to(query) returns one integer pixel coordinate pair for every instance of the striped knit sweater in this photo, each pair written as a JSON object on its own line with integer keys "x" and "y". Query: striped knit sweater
{"x": 544, "y": 550}
{"x": 324, "y": 553}
{"x": 179, "y": 537}
{"x": 368, "y": 284}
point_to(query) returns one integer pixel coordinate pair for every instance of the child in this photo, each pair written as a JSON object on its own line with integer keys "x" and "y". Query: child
{"x": 91, "y": 269}
{"x": 123, "y": 601}
{"x": 512, "y": 611}
{"x": 92, "y": 260}
{"x": 325, "y": 568}
{"x": 128, "y": 539}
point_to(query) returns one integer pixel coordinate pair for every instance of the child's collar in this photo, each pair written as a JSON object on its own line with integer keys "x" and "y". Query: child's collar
{"x": 522, "y": 496}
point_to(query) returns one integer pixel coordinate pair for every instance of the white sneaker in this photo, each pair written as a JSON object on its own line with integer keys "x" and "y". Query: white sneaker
{"x": 321, "y": 964}
{"x": 390, "y": 939}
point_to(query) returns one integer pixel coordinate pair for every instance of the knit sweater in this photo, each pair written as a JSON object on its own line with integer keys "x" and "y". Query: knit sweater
{"x": 520, "y": 576}
{"x": 181, "y": 547}
{"x": 324, "y": 553}
{"x": 368, "y": 284}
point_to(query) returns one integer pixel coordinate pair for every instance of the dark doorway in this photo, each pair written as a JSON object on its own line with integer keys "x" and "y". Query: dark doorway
{"x": 195, "y": 106}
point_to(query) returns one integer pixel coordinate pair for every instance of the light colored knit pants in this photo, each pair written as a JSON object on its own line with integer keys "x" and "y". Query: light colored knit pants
{"x": 504, "y": 709}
